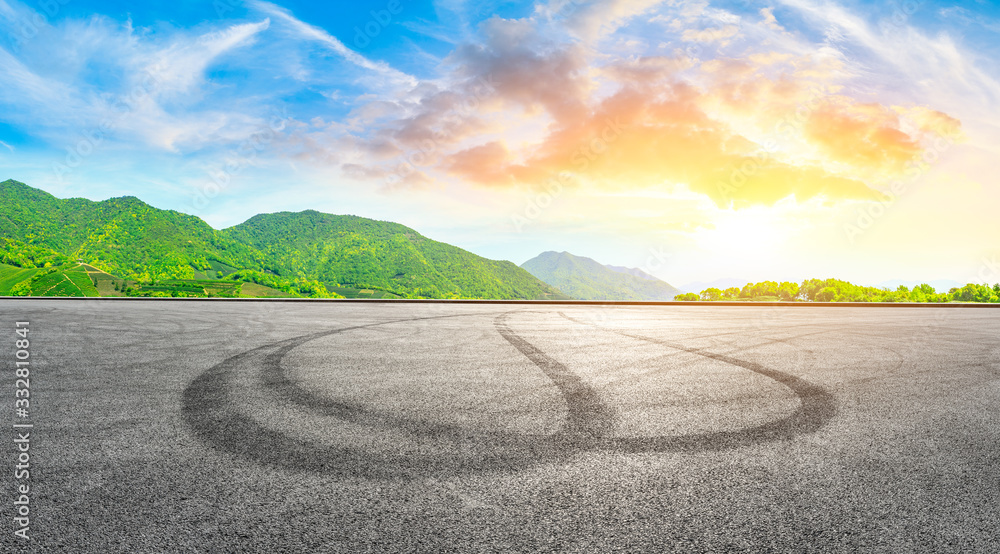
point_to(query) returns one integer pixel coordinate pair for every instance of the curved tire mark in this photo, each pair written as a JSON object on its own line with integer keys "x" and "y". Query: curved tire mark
{"x": 588, "y": 417}
{"x": 816, "y": 407}
{"x": 217, "y": 419}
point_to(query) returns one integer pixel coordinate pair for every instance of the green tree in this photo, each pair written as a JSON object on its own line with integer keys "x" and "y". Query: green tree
{"x": 925, "y": 289}
{"x": 827, "y": 294}
{"x": 21, "y": 289}
{"x": 788, "y": 291}
{"x": 711, "y": 294}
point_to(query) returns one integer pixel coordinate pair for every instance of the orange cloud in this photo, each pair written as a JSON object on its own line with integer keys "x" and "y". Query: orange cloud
{"x": 640, "y": 138}
{"x": 483, "y": 164}
{"x": 830, "y": 130}
{"x": 865, "y": 136}
{"x": 769, "y": 19}
{"x": 741, "y": 131}
{"x": 933, "y": 121}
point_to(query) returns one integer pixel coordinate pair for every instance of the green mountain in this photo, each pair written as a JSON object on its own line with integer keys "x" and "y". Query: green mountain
{"x": 299, "y": 253}
{"x": 124, "y": 236}
{"x": 586, "y": 279}
{"x": 343, "y": 249}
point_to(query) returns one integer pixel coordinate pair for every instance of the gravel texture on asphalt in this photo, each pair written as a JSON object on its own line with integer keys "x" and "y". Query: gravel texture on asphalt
{"x": 199, "y": 426}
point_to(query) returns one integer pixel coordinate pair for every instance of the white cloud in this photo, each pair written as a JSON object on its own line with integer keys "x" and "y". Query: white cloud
{"x": 35, "y": 97}
{"x": 7, "y": 11}
{"x": 908, "y": 66}
{"x": 181, "y": 66}
{"x": 711, "y": 35}
{"x": 394, "y": 76}
{"x": 933, "y": 63}
{"x": 594, "y": 19}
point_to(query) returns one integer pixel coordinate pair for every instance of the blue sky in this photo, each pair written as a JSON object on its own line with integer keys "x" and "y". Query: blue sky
{"x": 697, "y": 140}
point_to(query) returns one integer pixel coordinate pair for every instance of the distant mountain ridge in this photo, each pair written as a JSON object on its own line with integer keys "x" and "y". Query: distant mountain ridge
{"x": 635, "y": 272}
{"x": 586, "y": 279}
{"x": 131, "y": 239}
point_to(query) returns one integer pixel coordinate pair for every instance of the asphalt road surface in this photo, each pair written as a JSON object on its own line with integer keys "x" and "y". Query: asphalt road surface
{"x": 323, "y": 427}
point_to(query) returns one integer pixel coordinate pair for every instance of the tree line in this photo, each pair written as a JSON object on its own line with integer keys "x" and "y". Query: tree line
{"x": 836, "y": 290}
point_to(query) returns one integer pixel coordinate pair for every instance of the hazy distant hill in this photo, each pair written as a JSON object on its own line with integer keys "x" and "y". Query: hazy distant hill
{"x": 633, "y": 271}
{"x": 586, "y": 279}
{"x": 132, "y": 240}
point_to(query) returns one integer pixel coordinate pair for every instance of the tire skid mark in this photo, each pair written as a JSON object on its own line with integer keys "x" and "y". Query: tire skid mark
{"x": 743, "y": 331}
{"x": 640, "y": 376}
{"x": 588, "y": 416}
{"x": 218, "y": 419}
{"x": 275, "y": 379}
{"x": 816, "y": 407}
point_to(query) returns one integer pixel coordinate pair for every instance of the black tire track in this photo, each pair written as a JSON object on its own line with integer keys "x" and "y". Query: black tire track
{"x": 816, "y": 407}
{"x": 641, "y": 376}
{"x": 588, "y": 417}
{"x": 217, "y": 419}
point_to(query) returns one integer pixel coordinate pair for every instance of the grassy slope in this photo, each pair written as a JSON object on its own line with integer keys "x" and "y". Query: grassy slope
{"x": 106, "y": 283}
{"x": 253, "y": 290}
{"x": 10, "y": 276}
{"x": 69, "y": 280}
{"x": 348, "y": 292}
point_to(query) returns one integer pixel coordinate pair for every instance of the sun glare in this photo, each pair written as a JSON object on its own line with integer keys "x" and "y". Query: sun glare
{"x": 753, "y": 234}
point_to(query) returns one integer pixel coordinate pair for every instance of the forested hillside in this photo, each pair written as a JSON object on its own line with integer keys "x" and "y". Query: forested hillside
{"x": 124, "y": 236}
{"x": 376, "y": 254}
{"x": 307, "y": 253}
